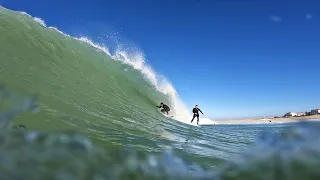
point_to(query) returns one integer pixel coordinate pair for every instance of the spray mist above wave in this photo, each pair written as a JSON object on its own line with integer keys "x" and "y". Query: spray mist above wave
{"x": 136, "y": 59}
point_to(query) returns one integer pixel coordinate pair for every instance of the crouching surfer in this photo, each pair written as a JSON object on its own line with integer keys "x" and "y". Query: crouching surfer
{"x": 165, "y": 108}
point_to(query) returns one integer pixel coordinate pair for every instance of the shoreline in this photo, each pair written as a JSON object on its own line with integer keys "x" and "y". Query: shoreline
{"x": 268, "y": 120}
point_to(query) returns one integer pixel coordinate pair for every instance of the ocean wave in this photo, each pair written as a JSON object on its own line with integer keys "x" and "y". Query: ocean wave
{"x": 135, "y": 59}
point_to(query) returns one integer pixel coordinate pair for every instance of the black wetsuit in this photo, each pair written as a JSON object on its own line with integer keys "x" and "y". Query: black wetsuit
{"x": 165, "y": 108}
{"x": 196, "y": 114}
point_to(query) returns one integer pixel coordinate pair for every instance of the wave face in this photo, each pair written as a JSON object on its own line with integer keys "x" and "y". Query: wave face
{"x": 72, "y": 52}
{"x": 70, "y": 109}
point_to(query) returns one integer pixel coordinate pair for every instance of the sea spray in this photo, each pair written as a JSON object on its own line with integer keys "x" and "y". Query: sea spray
{"x": 291, "y": 155}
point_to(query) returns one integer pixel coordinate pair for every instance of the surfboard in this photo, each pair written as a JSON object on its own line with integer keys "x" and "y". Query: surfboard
{"x": 169, "y": 116}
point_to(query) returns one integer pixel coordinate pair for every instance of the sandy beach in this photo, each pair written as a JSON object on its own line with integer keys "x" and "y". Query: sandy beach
{"x": 269, "y": 120}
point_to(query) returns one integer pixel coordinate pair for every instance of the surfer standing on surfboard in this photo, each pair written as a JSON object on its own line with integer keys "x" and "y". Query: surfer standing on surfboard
{"x": 196, "y": 114}
{"x": 165, "y": 108}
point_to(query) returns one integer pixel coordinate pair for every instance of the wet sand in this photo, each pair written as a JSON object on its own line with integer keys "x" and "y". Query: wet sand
{"x": 269, "y": 120}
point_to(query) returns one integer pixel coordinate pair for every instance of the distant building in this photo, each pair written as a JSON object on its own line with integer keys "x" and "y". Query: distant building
{"x": 315, "y": 111}
{"x": 301, "y": 114}
{"x": 290, "y": 114}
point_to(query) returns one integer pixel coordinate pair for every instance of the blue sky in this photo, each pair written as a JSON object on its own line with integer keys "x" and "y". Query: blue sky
{"x": 234, "y": 58}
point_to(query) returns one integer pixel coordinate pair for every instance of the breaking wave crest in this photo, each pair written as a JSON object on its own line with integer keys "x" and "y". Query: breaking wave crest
{"x": 137, "y": 60}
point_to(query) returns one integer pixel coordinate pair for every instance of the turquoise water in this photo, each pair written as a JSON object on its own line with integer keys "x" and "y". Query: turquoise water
{"x": 90, "y": 114}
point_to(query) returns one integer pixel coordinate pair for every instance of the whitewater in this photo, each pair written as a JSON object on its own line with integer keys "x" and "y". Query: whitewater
{"x": 71, "y": 109}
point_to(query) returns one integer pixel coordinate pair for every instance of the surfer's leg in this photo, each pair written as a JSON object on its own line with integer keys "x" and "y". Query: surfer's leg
{"x": 193, "y": 117}
{"x": 163, "y": 110}
{"x": 198, "y": 119}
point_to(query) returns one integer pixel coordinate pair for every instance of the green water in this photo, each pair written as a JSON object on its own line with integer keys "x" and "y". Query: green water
{"x": 78, "y": 85}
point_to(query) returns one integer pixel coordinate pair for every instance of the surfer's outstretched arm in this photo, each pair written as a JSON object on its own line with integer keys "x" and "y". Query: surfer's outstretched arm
{"x": 200, "y": 111}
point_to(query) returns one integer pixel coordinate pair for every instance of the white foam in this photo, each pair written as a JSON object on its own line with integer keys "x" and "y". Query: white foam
{"x": 56, "y": 29}
{"x": 40, "y": 21}
{"x": 136, "y": 59}
{"x": 89, "y": 42}
{"x": 24, "y": 13}
{"x": 202, "y": 121}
